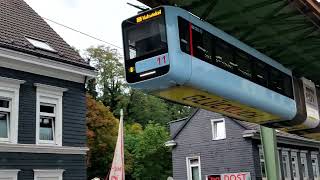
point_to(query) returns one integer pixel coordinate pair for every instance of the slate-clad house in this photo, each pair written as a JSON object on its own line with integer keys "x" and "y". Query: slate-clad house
{"x": 42, "y": 99}
{"x": 207, "y": 145}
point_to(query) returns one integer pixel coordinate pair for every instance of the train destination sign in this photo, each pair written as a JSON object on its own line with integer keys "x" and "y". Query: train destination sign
{"x": 148, "y": 16}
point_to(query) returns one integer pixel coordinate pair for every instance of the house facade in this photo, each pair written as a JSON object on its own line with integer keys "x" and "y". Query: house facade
{"x": 210, "y": 146}
{"x": 42, "y": 99}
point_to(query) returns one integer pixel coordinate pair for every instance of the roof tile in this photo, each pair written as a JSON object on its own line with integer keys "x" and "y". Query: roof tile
{"x": 18, "y": 21}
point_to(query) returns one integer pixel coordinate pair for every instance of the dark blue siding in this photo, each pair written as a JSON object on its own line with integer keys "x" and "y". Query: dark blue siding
{"x": 74, "y": 109}
{"x": 74, "y": 165}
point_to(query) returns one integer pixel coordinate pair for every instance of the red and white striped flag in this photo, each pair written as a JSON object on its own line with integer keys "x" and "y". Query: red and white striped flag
{"x": 117, "y": 168}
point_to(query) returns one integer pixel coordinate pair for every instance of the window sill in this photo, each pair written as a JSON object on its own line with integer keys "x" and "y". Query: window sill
{"x": 218, "y": 139}
{"x": 43, "y": 148}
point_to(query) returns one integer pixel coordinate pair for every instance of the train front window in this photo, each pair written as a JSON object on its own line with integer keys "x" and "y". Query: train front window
{"x": 146, "y": 38}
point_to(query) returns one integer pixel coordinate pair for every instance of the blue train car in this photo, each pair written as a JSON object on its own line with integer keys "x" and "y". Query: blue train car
{"x": 175, "y": 55}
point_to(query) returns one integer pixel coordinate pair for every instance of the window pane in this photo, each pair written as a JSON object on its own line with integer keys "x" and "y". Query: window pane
{"x": 263, "y": 170}
{"x": 243, "y": 67}
{"x": 220, "y": 129}
{"x": 287, "y": 81}
{"x": 195, "y": 173}
{"x": 46, "y": 128}
{"x": 224, "y": 56}
{"x": 40, "y": 44}
{"x": 4, "y": 125}
{"x": 261, "y": 73}
{"x": 147, "y": 37}
{"x": 4, "y": 103}
{"x": 202, "y": 44}
{"x": 184, "y": 35}
{"x": 194, "y": 161}
{"x": 276, "y": 81}
{"x": 47, "y": 108}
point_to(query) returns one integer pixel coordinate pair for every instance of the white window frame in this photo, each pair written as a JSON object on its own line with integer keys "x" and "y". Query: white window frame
{"x": 11, "y": 174}
{"x": 48, "y": 173}
{"x": 40, "y": 44}
{"x": 285, "y": 153}
{"x": 262, "y": 161}
{"x": 6, "y": 111}
{"x": 9, "y": 89}
{"x": 314, "y": 155}
{"x": 47, "y": 94}
{"x": 189, "y": 166}
{"x": 294, "y": 155}
{"x": 213, "y": 121}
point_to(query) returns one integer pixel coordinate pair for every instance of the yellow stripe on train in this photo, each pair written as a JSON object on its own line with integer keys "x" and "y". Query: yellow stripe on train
{"x": 196, "y": 98}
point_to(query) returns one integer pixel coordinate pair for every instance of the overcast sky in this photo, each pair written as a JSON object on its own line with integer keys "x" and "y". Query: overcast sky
{"x": 99, "y": 18}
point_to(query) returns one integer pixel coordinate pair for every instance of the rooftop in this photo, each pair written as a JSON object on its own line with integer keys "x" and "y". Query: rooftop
{"x": 23, "y": 30}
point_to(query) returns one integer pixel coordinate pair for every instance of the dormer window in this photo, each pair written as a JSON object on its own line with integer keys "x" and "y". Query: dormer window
{"x": 40, "y": 44}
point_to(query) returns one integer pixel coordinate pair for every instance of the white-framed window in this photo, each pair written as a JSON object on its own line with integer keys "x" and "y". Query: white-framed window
{"x": 49, "y": 114}
{"x": 262, "y": 164}
{"x": 295, "y": 165}
{"x": 193, "y": 168}
{"x": 5, "y": 111}
{"x": 48, "y": 174}
{"x": 9, "y": 174}
{"x": 304, "y": 165}
{"x": 40, "y": 44}
{"x": 315, "y": 165}
{"x": 9, "y": 109}
{"x": 286, "y": 165}
{"x": 218, "y": 129}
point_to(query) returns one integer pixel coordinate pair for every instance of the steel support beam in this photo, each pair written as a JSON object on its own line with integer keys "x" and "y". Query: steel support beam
{"x": 270, "y": 150}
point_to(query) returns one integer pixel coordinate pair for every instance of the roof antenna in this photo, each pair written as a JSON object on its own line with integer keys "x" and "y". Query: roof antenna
{"x": 142, "y": 9}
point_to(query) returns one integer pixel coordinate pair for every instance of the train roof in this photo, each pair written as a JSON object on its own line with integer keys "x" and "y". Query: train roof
{"x": 287, "y": 31}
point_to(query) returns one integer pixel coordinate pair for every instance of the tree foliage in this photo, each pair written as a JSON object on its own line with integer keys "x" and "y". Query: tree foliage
{"x": 102, "y": 129}
{"x": 152, "y": 160}
{"x": 110, "y": 79}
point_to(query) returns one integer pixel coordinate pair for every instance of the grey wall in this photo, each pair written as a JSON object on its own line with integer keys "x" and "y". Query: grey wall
{"x": 234, "y": 154}
{"x": 299, "y": 148}
{"x": 74, "y": 109}
{"x": 74, "y": 165}
{"x": 175, "y": 126}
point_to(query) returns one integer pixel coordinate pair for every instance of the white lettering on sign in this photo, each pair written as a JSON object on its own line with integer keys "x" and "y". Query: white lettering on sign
{"x": 236, "y": 176}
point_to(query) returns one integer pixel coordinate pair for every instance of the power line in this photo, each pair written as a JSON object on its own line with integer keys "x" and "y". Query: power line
{"x": 88, "y": 35}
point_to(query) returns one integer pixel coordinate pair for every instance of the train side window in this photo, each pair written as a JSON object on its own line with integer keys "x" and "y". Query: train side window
{"x": 184, "y": 35}
{"x": 276, "y": 81}
{"x": 224, "y": 55}
{"x": 287, "y": 85}
{"x": 243, "y": 65}
{"x": 202, "y": 44}
{"x": 260, "y": 73}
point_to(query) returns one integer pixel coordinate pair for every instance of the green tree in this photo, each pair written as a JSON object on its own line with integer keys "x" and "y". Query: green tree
{"x": 102, "y": 129}
{"x": 143, "y": 108}
{"x": 152, "y": 160}
{"x": 91, "y": 88}
{"x": 110, "y": 80}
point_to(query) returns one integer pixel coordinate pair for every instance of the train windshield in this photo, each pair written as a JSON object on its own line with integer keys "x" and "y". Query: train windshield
{"x": 145, "y": 35}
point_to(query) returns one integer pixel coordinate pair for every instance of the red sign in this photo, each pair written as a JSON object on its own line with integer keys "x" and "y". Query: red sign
{"x": 230, "y": 176}
{"x": 214, "y": 177}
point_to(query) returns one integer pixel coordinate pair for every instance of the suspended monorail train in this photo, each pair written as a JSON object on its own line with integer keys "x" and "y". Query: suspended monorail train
{"x": 175, "y": 55}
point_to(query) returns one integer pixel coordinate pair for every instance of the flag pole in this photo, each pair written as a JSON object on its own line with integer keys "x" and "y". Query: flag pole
{"x": 117, "y": 171}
